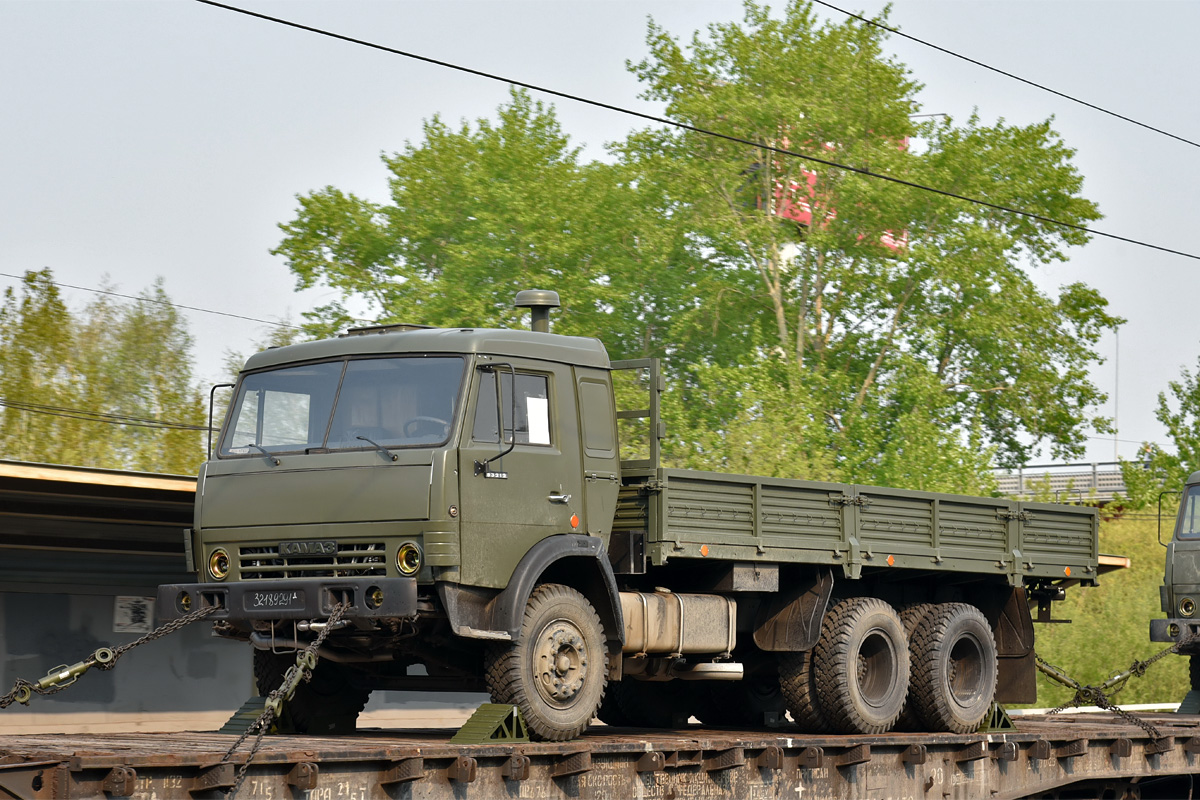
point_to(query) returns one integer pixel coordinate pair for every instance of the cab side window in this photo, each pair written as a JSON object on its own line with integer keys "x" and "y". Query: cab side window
{"x": 532, "y": 412}
{"x": 1189, "y": 520}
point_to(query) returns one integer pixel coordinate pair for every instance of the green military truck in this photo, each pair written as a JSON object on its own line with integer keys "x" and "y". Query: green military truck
{"x": 1180, "y": 591}
{"x": 465, "y": 494}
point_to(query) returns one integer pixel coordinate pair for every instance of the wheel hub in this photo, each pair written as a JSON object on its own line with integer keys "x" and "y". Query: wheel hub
{"x": 561, "y": 663}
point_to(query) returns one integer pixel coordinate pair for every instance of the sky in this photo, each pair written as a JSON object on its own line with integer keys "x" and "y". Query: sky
{"x": 166, "y": 138}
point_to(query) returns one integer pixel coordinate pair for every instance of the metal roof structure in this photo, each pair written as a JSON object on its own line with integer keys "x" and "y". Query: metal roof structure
{"x": 86, "y": 526}
{"x": 422, "y": 341}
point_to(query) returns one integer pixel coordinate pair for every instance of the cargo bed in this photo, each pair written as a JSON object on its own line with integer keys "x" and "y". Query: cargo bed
{"x": 695, "y": 515}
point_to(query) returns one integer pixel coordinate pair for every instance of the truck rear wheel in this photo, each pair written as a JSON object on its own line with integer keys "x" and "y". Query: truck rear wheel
{"x": 861, "y": 666}
{"x": 329, "y": 703}
{"x": 954, "y": 668}
{"x": 557, "y": 670}
{"x": 800, "y": 692}
{"x": 910, "y": 618}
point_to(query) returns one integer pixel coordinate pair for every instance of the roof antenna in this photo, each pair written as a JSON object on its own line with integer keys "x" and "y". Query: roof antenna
{"x": 539, "y": 302}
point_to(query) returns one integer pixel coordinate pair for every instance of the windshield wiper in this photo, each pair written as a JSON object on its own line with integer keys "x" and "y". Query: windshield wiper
{"x": 266, "y": 453}
{"x": 388, "y": 454}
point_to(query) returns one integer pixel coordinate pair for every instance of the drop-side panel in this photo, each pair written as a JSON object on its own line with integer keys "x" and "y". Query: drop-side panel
{"x": 1055, "y": 539}
{"x": 970, "y": 527}
{"x": 704, "y": 511}
{"x": 802, "y": 516}
{"x": 633, "y": 509}
{"x": 690, "y": 514}
{"x": 895, "y": 522}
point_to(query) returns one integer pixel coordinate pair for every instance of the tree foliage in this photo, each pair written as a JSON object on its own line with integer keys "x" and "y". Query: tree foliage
{"x": 93, "y": 388}
{"x": 890, "y": 335}
{"x": 1161, "y": 470}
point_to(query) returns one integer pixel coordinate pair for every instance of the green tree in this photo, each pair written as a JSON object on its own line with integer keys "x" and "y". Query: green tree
{"x": 891, "y": 336}
{"x": 476, "y": 214}
{"x": 93, "y": 388}
{"x": 1159, "y": 470}
{"x": 940, "y": 347}
{"x": 35, "y": 346}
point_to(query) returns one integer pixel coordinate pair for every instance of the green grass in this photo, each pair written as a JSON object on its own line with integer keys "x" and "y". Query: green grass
{"x": 1110, "y": 624}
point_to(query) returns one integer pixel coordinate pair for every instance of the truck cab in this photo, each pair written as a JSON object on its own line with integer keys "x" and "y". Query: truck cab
{"x": 1180, "y": 592}
{"x": 414, "y": 475}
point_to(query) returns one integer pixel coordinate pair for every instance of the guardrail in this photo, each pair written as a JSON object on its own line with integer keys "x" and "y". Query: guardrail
{"x": 1095, "y": 480}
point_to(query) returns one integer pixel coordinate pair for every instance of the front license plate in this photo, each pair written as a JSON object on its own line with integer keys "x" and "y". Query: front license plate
{"x": 280, "y": 600}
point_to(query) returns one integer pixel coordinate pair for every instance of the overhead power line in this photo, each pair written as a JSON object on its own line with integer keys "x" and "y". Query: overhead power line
{"x": 999, "y": 71}
{"x": 1127, "y": 441}
{"x": 97, "y": 416}
{"x": 160, "y": 302}
{"x": 695, "y": 129}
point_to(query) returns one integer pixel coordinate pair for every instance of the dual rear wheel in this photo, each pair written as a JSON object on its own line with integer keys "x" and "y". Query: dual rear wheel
{"x": 934, "y": 664}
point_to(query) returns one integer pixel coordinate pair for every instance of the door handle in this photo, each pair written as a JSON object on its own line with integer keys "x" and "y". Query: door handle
{"x": 561, "y": 499}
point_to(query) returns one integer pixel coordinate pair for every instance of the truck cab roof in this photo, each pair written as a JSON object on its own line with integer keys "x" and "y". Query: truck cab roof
{"x": 579, "y": 350}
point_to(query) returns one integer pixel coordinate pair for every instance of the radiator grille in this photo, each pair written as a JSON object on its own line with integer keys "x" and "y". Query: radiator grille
{"x": 351, "y": 560}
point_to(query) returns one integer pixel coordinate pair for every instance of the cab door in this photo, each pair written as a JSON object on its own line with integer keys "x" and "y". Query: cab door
{"x": 601, "y": 465}
{"x": 519, "y": 468}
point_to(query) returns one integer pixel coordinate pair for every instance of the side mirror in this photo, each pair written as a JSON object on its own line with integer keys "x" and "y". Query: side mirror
{"x": 1160, "y": 497}
{"x": 212, "y": 399}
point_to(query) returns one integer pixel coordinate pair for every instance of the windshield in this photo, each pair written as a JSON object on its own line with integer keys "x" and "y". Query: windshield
{"x": 1189, "y": 517}
{"x": 393, "y": 402}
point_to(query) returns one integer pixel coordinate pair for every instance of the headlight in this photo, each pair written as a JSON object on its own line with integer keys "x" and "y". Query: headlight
{"x": 1187, "y": 606}
{"x": 218, "y": 564}
{"x": 408, "y": 559}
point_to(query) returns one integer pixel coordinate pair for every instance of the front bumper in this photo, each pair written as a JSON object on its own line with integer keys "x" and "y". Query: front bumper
{"x": 309, "y": 598}
{"x": 1172, "y": 630}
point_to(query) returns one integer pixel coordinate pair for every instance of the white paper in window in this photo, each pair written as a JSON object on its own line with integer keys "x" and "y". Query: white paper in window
{"x": 538, "y": 409}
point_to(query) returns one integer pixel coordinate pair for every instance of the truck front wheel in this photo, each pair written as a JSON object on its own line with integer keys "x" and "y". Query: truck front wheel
{"x": 329, "y": 703}
{"x": 557, "y": 670}
{"x": 861, "y": 666}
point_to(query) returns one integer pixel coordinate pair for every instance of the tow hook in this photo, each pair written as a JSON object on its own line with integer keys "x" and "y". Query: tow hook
{"x": 320, "y": 626}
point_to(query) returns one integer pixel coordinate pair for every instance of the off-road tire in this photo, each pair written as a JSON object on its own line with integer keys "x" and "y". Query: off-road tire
{"x": 798, "y": 685}
{"x": 954, "y": 668}
{"x": 910, "y": 618}
{"x": 557, "y": 669}
{"x": 743, "y": 704}
{"x": 610, "y": 712}
{"x": 655, "y": 704}
{"x": 860, "y": 666}
{"x": 329, "y": 703}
